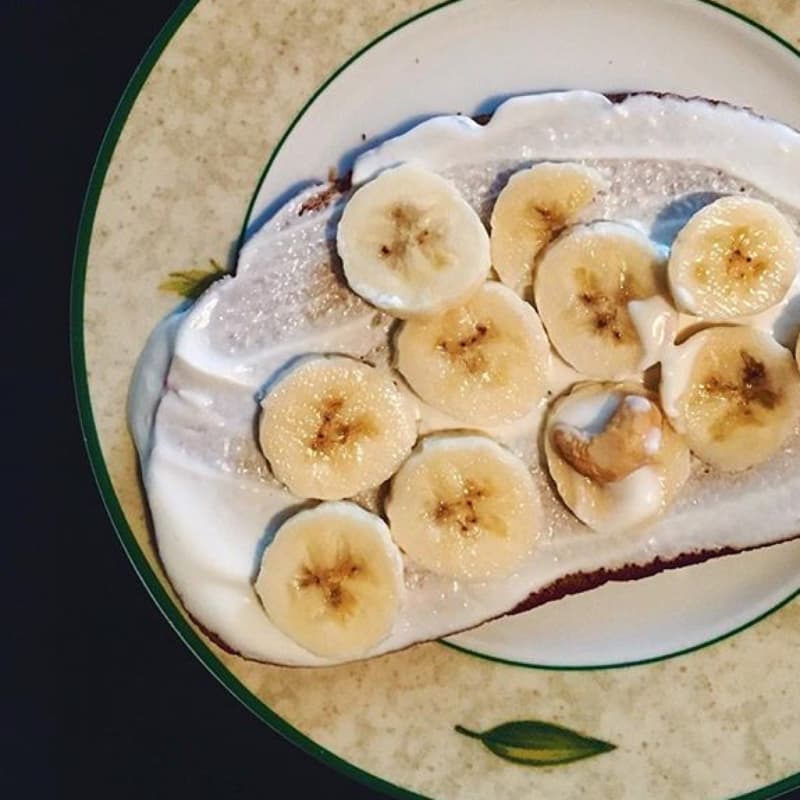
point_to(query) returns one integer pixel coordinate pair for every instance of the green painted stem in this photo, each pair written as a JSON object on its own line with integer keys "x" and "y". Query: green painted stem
{"x": 467, "y": 732}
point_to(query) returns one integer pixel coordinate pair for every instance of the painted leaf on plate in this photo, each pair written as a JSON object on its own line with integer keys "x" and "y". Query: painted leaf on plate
{"x": 191, "y": 283}
{"x": 537, "y": 744}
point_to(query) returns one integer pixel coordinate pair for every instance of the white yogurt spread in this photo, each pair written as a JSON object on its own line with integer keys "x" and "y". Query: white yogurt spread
{"x": 213, "y": 500}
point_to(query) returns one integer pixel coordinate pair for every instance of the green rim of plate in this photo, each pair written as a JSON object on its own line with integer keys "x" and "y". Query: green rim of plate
{"x": 136, "y": 556}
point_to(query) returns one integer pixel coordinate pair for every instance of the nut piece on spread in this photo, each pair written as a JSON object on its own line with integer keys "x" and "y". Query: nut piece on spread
{"x": 630, "y": 439}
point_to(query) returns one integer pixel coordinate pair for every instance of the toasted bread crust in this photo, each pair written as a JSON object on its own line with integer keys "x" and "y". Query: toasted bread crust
{"x": 584, "y": 581}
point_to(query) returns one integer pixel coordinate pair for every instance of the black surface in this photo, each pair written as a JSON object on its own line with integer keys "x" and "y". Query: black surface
{"x": 111, "y": 705}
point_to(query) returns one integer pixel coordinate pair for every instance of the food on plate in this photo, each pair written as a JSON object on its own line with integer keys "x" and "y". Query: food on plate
{"x": 485, "y": 362}
{"x": 734, "y": 392}
{"x": 735, "y": 257}
{"x": 532, "y": 209}
{"x": 615, "y": 460}
{"x": 332, "y": 579}
{"x": 333, "y": 426}
{"x": 585, "y": 285}
{"x": 465, "y": 507}
{"x": 600, "y": 424}
{"x": 410, "y": 244}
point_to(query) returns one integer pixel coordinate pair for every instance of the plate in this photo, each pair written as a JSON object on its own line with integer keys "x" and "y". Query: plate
{"x": 181, "y": 158}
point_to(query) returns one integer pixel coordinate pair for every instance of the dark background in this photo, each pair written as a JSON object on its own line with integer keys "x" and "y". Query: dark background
{"x": 103, "y": 699}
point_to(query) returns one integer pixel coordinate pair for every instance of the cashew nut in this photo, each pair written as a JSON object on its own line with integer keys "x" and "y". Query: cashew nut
{"x": 631, "y": 439}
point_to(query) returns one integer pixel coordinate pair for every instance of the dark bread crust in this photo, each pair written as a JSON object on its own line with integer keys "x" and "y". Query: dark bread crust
{"x": 621, "y": 97}
{"x": 579, "y": 582}
{"x": 323, "y": 198}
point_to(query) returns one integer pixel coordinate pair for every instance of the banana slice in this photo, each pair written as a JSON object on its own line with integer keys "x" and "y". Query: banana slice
{"x": 735, "y": 257}
{"x": 410, "y": 244}
{"x": 616, "y": 462}
{"x": 334, "y": 426}
{"x": 332, "y": 580}
{"x": 583, "y": 286}
{"x": 465, "y": 507}
{"x": 530, "y": 211}
{"x": 735, "y": 392}
{"x": 485, "y": 362}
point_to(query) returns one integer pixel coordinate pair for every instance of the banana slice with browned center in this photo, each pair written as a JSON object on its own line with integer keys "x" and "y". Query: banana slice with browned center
{"x": 616, "y": 462}
{"x": 334, "y": 426}
{"x": 586, "y": 287}
{"x": 410, "y": 244}
{"x": 532, "y": 209}
{"x": 465, "y": 507}
{"x": 332, "y": 580}
{"x": 735, "y": 257}
{"x": 734, "y": 392}
{"x": 485, "y": 362}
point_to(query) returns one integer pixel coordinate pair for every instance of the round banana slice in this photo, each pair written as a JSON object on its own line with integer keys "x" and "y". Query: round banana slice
{"x": 334, "y": 426}
{"x": 583, "y": 286}
{"x": 465, "y": 507}
{"x": 332, "y": 580}
{"x": 532, "y": 209}
{"x": 734, "y": 257}
{"x": 614, "y": 458}
{"x": 410, "y": 244}
{"x": 485, "y": 362}
{"x": 735, "y": 393}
